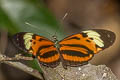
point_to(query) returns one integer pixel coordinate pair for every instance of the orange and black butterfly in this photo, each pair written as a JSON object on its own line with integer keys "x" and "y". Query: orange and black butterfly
{"x": 74, "y": 50}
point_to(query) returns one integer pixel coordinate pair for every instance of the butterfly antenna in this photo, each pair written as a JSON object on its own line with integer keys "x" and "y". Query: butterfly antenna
{"x": 33, "y": 26}
{"x": 62, "y": 20}
{"x": 64, "y": 16}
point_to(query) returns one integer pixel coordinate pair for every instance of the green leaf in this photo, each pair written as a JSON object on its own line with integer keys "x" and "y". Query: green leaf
{"x": 33, "y": 12}
{"x": 34, "y": 64}
{"x": 6, "y": 22}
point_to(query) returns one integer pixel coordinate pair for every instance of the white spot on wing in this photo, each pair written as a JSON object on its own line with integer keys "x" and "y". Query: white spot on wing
{"x": 27, "y": 37}
{"x": 95, "y": 36}
{"x": 91, "y": 32}
{"x": 108, "y": 36}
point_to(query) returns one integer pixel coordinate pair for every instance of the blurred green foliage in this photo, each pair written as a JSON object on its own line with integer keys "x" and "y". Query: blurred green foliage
{"x": 15, "y": 13}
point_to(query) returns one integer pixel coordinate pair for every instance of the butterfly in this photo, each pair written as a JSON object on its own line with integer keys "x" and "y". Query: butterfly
{"x": 74, "y": 50}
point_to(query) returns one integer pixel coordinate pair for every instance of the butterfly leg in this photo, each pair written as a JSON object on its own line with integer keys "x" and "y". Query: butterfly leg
{"x": 64, "y": 65}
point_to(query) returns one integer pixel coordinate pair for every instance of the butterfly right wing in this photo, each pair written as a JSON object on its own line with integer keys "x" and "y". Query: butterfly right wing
{"x": 39, "y": 46}
{"x": 79, "y": 48}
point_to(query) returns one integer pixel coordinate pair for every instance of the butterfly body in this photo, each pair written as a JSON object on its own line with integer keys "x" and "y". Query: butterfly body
{"x": 74, "y": 50}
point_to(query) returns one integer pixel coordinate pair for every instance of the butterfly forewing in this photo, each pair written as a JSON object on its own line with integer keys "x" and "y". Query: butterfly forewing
{"x": 79, "y": 48}
{"x": 39, "y": 46}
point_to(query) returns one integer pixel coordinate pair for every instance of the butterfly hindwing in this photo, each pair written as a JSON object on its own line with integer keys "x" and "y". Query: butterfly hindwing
{"x": 79, "y": 48}
{"x": 39, "y": 46}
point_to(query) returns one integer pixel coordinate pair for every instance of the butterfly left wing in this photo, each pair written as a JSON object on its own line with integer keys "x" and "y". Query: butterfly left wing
{"x": 78, "y": 49}
{"x": 38, "y": 46}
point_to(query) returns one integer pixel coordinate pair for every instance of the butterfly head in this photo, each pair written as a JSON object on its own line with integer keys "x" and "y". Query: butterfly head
{"x": 54, "y": 38}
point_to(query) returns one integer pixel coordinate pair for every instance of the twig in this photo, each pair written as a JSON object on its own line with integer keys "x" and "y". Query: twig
{"x": 17, "y": 57}
{"x": 20, "y": 66}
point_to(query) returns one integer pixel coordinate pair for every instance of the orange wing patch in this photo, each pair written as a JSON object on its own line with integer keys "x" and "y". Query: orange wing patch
{"x": 45, "y": 51}
{"x": 49, "y": 59}
{"x": 76, "y": 58}
{"x": 38, "y": 42}
{"x": 79, "y": 49}
{"x": 78, "y": 39}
